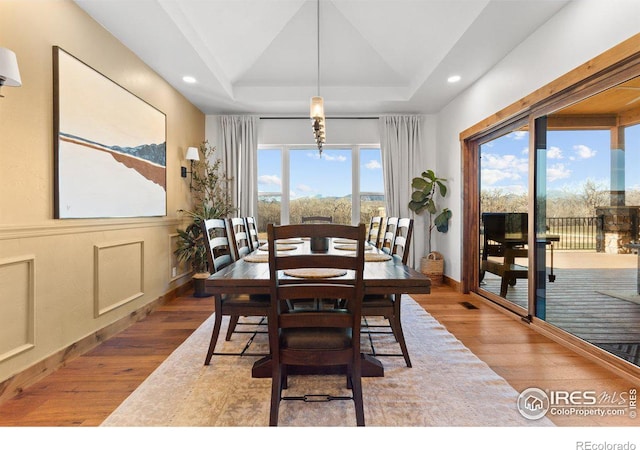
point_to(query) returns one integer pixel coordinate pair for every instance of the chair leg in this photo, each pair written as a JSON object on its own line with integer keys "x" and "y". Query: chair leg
{"x": 233, "y": 321}
{"x": 285, "y": 378}
{"x": 276, "y": 394}
{"x": 214, "y": 337}
{"x": 356, "y": 390}
{"x": 503, "y": 286}
{"x": 396, "y": 325}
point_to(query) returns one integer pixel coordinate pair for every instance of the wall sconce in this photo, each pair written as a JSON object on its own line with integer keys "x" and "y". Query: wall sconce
{"x": 192, "y": 155}
{"x": 9, "y": 73}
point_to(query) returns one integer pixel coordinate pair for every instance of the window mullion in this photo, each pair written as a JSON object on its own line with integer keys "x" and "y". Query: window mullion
{"x": 355, "y": 185}
{"x": 286, "y": 190}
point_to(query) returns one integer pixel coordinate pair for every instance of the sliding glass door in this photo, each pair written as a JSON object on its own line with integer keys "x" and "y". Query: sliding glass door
{"x": 559, "y": 219}
{"x": 588, "y": 200}
{"x": 504, "y": 205}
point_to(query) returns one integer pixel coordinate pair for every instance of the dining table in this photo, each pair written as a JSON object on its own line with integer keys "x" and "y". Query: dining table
{"x": 383, "y": 274}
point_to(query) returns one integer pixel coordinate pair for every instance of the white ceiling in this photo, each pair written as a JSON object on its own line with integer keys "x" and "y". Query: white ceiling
{"x": 376, "y": 56}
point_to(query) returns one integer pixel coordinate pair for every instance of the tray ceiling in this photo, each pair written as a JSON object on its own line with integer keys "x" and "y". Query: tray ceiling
{"x": 376, "y": 56}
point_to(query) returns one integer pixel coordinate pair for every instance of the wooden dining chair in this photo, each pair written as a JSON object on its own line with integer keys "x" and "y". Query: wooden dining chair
{"x": 252, "y": 230}
{"x": 389, "y": 234}
{"x": 317, "y": 219}
{"x": 325, "y": 337}
{"x": 375, "y": 228}
{"x": 219, "y": 255}
{"x": 239, "y": 237}
{"x": 498, "y": 257}
{"x": 402, "y": 239}
{"x": 389, "y": 305}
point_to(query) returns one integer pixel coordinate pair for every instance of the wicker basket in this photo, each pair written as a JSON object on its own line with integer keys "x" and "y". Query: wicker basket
{"x": 432, "y": 265}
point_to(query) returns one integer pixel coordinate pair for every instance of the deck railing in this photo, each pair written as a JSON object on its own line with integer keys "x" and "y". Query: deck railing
{"x": 576, "y": 233}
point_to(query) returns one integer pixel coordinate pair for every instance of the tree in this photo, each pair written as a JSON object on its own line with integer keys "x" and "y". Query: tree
{"x": 426, "y": 188}
{"x": 594, "y": 196}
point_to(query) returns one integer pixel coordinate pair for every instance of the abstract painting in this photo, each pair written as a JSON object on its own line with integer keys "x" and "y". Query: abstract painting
{"x": 110, "y": 146}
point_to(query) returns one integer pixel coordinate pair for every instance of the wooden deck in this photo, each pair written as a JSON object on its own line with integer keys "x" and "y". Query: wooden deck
{"x": 577, "y": 301}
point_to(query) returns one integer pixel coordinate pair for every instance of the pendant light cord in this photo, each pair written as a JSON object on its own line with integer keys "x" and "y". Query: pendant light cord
{"x": 318, "y": 41}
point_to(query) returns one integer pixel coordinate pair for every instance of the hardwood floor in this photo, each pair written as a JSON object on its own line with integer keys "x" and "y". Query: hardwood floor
{"x": 522, "y": 356}
{"x": 89, "y": 388}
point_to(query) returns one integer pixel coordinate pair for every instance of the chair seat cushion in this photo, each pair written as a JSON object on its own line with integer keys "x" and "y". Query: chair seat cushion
{"x": 370, "y": 301}
{"x": 316, "y": 338}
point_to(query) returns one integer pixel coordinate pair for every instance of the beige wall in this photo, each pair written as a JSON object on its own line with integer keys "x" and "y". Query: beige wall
{"x": 61, "y": 280}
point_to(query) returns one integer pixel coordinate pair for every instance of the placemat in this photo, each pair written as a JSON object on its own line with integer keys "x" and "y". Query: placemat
{"x": 289, "y": 241}
{"x": 351, "y": 247}
{"x": 279, "y": 247}
{"x": 344, "y": 241}
{"x": 257, "y": 257}
{"x": 376, "y": 257}
{"x": 315, "y": 273}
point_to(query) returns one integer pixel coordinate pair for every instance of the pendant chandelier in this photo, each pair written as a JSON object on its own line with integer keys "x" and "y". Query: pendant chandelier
{"x": 317, "y": 103}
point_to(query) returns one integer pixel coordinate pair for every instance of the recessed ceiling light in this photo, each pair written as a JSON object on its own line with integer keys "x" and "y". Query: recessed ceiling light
{"x": 454, "y": 78}
{"x": 188, "y": 79}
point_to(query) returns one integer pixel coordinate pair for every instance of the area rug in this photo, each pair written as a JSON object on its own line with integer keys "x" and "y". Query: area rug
{"x": 628, "y": 295}
{"x": 447, "y": 386}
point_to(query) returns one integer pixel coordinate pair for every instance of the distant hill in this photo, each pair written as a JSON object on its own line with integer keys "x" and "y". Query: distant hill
{"x": 155, "y": 153}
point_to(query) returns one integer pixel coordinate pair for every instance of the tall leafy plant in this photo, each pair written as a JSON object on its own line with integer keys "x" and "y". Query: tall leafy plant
{"x": 210, "y": 189}
{"x": 423, "y": 199}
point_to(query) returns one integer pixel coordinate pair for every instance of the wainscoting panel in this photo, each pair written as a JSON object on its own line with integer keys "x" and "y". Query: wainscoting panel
{"x": 178, "y": 269}
{"x": 118, "y": 275}
{"x": 17, "y": 301}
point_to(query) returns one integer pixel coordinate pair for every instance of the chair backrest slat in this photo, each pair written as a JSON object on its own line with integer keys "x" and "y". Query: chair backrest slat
{"x": 317, "y": 219}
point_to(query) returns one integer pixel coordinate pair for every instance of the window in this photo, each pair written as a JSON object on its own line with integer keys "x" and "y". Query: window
{"x": 346, "y": 183}
{"x": 371, "y": 184}
{"x": 269, "y": 187}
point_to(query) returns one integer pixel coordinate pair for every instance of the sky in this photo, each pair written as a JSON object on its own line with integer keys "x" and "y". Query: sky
{"x": 572, "y": 158}
{"x": 326, "y": 176}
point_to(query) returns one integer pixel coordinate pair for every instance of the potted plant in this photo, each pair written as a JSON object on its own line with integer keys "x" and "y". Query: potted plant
{"x": 423, "y": 199}
{"x": 211, "y": 200}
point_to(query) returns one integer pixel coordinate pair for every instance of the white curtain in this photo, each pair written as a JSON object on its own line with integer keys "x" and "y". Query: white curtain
{"x": 402, "y": 159}
{"x": 239, "y": 137}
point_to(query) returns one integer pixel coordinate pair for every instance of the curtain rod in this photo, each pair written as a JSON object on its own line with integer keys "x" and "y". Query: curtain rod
{"x": 307, "y": 118}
